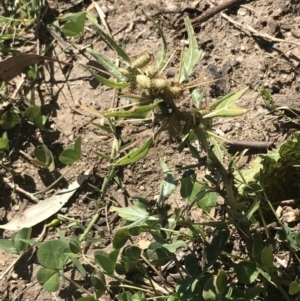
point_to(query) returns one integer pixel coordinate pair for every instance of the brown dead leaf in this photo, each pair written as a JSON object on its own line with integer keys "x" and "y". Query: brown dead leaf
{"x": 14, "y": 65}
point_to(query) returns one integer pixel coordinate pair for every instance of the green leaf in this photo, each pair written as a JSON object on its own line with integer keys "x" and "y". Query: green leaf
{"x": 74, "y": 245}
{"x": 120, "y": 238}
{"x": 9, "y": 120}
{"x": 116, "y": 47}
{"x": 246, "y": 272}
{"x": 4, "y": 144}
{"x": 139, "y": 296}
{"x": 161, "y": 57}
{"x": 20, "y": 245}
{"x": 164, "y": 166}
{"x": 226, "y": 106}
{"x": 175, "y": 245}
{"x": 187, "y": 185}
{"x": 136, "y": 155}
{"x": 208, "y": 201}
{"x": 158, "y": 255}
{"x": 191, "y": 265}
{"x": 167, "y": 186}
{"x": 33, "y": 114}
{"x": 44, "y": 157}
{"x": 139, "y": 112}
{"x": 217, "y": 149}
{"x": 131, "y": 213}
{"x": 267, "y": 257}
{"x": 105, "y": 262}
{"x": 220, "y": 282}
{"x": 78, "y": 265}
{"x": 75, "y": 26}
{"x": 209, "y": 291}
{"x": 86, "y": 299}
{"x": 217, "y": 245}
{"x": 99, "y": 283}
{"x": 8, "y": 246}
{"x": 190, "y": 57}
{"x": 107, "y": 82}
{"x": 72, "y": 152}
{"x": 51, "y": 254}
{"x": 68, "y": 156}
{"x": 125, "y": 296}
{"x": 294, "y": 287}
{"x": 253, "y": 292}
{"x": 133, "y": 253}
{"x": 107, "y": 64}
{"x": 48, "y": 279}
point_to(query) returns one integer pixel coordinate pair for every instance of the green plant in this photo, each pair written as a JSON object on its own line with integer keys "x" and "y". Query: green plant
{"x": 207, "y": 270}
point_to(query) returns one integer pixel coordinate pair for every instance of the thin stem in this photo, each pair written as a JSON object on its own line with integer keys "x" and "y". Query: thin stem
{"x": 78, "y": 286}
{"x": 55, "y": 182}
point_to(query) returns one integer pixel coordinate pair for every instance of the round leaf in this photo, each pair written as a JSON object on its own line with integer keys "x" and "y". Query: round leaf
{"x": 50, "y": 254}
{"x": 49, "y": 279}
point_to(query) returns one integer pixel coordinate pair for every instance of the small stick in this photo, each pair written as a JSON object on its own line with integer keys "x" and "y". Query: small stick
{"x": 210, "y": 13}
{"x": 21, "y": 190}
{"x": 251, "y": 31}
{"x": 251, "y": 144}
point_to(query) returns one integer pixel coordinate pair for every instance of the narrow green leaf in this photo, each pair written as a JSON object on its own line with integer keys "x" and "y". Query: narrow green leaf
{"x": 161, "y": 57}
{"x": 116, "y": 47}
{"x": 102, "y": 127}
{"x": 131, "y": 213}
{"x": 107, "y": 64}
{"x": 77, "y": 146}
{"x": 107, "y": 82}
{"x": 78, "y": 266}
{"x": 190, "y": 57}
{"x": 226, "y": 106}
{"x": 167, "y": 186}
{"x": 139, "y": 112}
{"x": 102, "y": 155}
{"x": 49, "y": 279}
{"x": 135, "y": 155}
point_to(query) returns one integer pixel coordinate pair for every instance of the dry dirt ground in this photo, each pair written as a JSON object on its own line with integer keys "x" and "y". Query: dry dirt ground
{"x": 246, "y": 49}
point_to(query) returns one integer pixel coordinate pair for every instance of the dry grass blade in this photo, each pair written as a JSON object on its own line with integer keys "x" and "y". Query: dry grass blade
{"x": 13, "y": 66}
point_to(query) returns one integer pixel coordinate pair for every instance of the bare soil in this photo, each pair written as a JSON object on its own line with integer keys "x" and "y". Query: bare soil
{"x": 233, "y": 52}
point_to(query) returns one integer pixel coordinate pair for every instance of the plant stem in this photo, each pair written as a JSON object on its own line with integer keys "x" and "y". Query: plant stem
{"x": 55, "y": 182}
